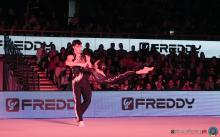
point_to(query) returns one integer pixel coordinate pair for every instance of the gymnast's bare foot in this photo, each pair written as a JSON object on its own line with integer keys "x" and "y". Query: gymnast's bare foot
{"x": 145, "y": 70}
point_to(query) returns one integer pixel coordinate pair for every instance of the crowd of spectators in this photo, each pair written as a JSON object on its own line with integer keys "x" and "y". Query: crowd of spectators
{"x": 117, "y": 16}
{"x": 182, "y": 71}
{"x": 35, "y": 15}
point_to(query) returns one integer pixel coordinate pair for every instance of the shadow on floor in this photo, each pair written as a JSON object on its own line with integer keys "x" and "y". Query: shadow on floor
{"x": 60, "y": 122}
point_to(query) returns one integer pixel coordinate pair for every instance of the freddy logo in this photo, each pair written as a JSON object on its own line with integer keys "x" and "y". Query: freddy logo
{"x": 12, "y": 104}
{"x": 127, "y": 103}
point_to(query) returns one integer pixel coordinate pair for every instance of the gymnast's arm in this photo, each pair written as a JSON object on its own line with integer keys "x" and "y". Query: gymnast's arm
{"x": 127, "y": 74}
{"x": 121, "y": 77}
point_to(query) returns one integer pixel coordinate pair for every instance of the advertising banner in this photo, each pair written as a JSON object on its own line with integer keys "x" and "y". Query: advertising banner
{"x": 110, "y": 104}
{"x": 29, "y": 44}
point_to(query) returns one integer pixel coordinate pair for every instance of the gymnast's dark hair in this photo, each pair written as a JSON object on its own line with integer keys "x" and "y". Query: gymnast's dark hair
{"x": 76, "y": 42}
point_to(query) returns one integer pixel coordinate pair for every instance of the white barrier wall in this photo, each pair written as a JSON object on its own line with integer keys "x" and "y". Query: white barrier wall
{"x": 110, "y": 104}
{"x": 29, "y": 44}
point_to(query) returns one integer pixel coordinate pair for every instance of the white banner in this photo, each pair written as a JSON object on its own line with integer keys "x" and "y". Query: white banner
{"x": 29, "y": 44}
{"x": 110, "y": 104}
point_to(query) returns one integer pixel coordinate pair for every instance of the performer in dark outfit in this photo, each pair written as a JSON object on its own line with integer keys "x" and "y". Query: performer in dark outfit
{"x": 81, "y": 70}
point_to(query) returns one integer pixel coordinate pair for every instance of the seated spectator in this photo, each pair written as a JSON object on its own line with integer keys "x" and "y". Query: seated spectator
{"x": 217, "y": 84}
{"x": 196, "y": 87}
{"x": 133, "y": 53}
{"x": 60, "y": 68}
{"x": 138, "y": 87}
{"x": 62, "y": 55}
{"x": 87, "y": 50}
{"x": 41, "y": 52}
{"x": 187, "y": 85}
{"x": 170, "y": 85}
{"x": 122, "y": 87}
{"x": 43, "y": 61}
{"x": 159, "y": 86}
{"x": 51, "y": 68}
{"x": 111, "y": 52}
{"x": 121, "y": 52}
{"x": 100, "y": 52}
{"x": 53, "y": 50}
{"x": 148, "y": 87}
{"x": 125, "y": 86}
{"x": 65, "y": 77}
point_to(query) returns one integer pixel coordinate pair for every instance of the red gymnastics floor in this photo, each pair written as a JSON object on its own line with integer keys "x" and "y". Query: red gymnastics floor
{"x": 110, "y": 127}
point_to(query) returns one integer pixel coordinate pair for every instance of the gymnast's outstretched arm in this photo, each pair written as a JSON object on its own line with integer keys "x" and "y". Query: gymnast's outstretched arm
{"x": 101, "y": 78}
